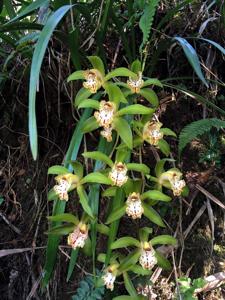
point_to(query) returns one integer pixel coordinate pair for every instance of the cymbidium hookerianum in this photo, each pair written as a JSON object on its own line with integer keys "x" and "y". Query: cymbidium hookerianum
{"x": 170, "y": 179}
{"x": 67, "y": 182}
{"x": 126, "y": 113}
{"x": 141, "y": 259}
{"x": 151, "y": 131}
{"x": 76, "y": 230}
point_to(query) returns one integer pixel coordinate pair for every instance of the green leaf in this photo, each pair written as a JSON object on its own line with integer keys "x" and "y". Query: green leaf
{"x": 163, "y": 240}
{"x": 28, "y": 9}
{"x": 109, "y": 192}
{"x": 103, "y": 229}
{"x": 96, "y": 177}
{"x": 125, "y": 242}
{"x": 59, "y": 170}
{"x": 214, "y": 44}
{"x": 162, "y": 261}
{"x": 120, "y": 72}
{"x": 97, "y": 63}
{"x": 84, "y": 201}
{"x": 155, "y": 195}
{"x": 61, "y": 230}
{"x": 78, "y": 168}
{"x": 152, "y": 81}
{"x": 37, "y": 59}
{"x": 97, "y": 155}
{"x": 196, "y": 129}
{"x": 129, "y": 285}
{"x": 130, "y": 260}
{"x": 150, "y": 96}
{"x": 167, "y": 131}
{"x": 76, "y": 76}
{"x": 52, "y": 195}
{"x": 195, "y": 96}
{"x": 135, "y": 109}
{"x": 89, "y": 103}
{"x": 81, "y": 95}
{"x": 159, "y": 168}
{"x": 144, "y": 233}
{"x": 137, "y": 269}
{"x": 152, "y": 215}
{"x": 164, "y": 147}
{"x": 73, "y": 259}
{"x": 114, "y": 93}
{"x": 64, "y": 218}
{"x": 192, "y": 58}
{"x": 116, "y": 214}
{"x": 90, "y": 125}
{"x": 124, "y": 131}
{"x": 136, "y": 66}
{"x": 142, "y": 168}
{"x": 59, "y": 206}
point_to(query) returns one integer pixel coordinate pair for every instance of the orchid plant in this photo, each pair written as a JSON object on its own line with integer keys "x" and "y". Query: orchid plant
{"x": 126, "y": 112}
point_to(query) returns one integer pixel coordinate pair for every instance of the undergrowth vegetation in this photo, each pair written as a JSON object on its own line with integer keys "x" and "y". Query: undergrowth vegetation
{"x": 141, "y": 85}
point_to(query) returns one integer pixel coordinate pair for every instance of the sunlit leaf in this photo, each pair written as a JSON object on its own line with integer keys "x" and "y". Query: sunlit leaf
{"x": 125, "y": 242}
{"x": 116, "y": 214}
{"x": 64, "y": 218}
{"x": 90, "y": 125}
{"x": 138, "y": 168}
{"x": 163, "y": 240}
{"x": 124, "y": 131}
{"x": 192, "y": 57}
{"x": 61, "y": 230}
{"x": 155, "y": 195}
{"x": 76, "y": 76}
{"x": 89, "y": 103}
{"x": 84, "y": 201}
{"x": 59, "y": 170}
{"x": 97, "y": 63}
{"x": 152, "y": 215}
{"x": 135, "y": 109}
{"x": 150, "y": 96}
{"x": 97, "y": 155}
{"x": 96, "y": 177}
{"x": 120, "y": 72}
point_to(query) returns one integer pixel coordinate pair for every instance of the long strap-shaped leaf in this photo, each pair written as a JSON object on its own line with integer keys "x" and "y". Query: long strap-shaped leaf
{"x": 37, "y": 59}
{"x": 106, "y": 148}
{"x": 59, "y": 206}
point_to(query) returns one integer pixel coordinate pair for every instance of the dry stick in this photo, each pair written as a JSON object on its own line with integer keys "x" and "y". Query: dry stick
{"x": 210, "y": 196}
{"x": 211, "y": 219}
{"x": 195, "y": 194}
{"x": 14, "y": 228}
{"x": 200, "y": 212}
{"x": 176, "y": 276}
{"x": 116, "y": 54}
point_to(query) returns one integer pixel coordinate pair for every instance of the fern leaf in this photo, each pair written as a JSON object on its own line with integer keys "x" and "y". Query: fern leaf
{"x": 197, "y": 128}
{"x": 146, "y": 20}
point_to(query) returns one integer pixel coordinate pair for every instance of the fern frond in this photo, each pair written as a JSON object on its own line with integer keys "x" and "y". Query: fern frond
{"x": 197, "y": 128}
{"x": 146, "y": 20}
{"x": 88, "y": 291}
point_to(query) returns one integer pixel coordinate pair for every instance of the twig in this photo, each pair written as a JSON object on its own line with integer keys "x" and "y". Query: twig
{"x": 210, "y": 196}
{"x": 200, "y": 212}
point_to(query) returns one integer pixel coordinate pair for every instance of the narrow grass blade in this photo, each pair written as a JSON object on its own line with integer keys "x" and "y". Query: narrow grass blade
{"x": 37, "y": 59}
{"x": 30, "y": 8}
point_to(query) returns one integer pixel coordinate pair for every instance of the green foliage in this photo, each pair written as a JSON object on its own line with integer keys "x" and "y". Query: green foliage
{"x": 146, "y": 20}
{"x": 88, "y": 291}
{"x": 196, "y": 129}
{"x": 188, "y": 287}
